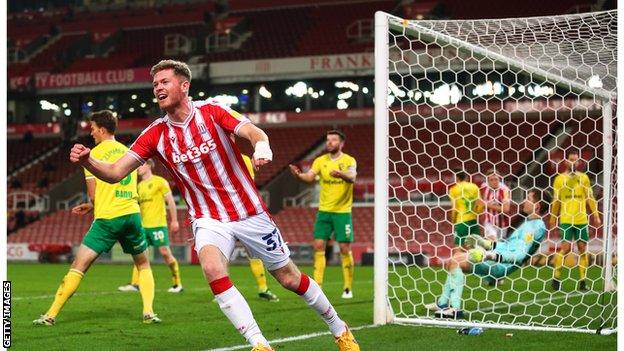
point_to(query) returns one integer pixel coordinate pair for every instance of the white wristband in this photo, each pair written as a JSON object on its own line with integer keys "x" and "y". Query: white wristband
{"x": 263, "y": 151}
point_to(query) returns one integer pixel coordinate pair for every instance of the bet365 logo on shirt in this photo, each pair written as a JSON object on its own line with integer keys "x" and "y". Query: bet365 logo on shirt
{"x": 195, "y": 153}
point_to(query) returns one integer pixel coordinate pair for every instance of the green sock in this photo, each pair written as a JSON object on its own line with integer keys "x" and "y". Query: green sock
{"x": 457, "y": 287}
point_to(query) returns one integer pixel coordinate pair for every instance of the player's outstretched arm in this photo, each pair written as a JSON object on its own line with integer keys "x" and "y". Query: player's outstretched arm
{"x": 82, "y": 209}
{"x": 516, "y": 252}
{"x": 108, "y": 172}
{"x": 307, "y": 177}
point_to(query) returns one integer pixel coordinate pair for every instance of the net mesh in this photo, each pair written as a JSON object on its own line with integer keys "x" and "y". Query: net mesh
{"x": 512, "y": 95}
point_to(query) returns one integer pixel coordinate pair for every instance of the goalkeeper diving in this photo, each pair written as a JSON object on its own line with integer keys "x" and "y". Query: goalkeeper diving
{"x": 493, "y": 259}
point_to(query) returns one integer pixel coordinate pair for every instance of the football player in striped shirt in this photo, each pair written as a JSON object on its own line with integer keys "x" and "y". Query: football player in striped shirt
{"x": 496, "y": 198}
{"x": 192, "y": 141}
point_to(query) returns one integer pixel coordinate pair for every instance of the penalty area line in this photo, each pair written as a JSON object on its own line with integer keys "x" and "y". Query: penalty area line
{"x": 292, "y": 338}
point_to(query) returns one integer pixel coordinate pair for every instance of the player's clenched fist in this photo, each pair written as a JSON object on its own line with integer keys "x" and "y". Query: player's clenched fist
{"x": 79, "y": 153}
{"x": 262, "y": 154}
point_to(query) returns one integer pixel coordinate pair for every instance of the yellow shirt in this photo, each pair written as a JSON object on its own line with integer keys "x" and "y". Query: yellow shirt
{"x": 336, "y": 193}
{"x": 249, "y": 166}
{"x": 152, "y": 201}
{"x": 113, "y": 200}
{"x": 464, "y": 196}
{"x": 573, "y": 190}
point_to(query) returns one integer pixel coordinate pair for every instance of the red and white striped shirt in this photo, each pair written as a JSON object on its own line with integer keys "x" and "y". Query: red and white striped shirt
{"x": 205, "y": 163}
{"x": 499, "y": 196}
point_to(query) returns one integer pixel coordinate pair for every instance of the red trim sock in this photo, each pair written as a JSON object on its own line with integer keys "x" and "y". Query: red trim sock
{"x": 220, "y": 285}
{"x": 304, "y": 284}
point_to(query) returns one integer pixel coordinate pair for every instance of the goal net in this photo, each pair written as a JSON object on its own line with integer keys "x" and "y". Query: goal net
{"x": 512, "y": 95}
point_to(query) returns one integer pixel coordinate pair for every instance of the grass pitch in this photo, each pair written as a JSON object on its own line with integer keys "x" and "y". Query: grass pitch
{"x": 100, "y": 318}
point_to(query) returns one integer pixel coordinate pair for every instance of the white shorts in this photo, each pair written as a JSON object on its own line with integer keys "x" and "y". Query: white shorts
{"x": 493, "y": 232}
{"x": 258, "y": 234}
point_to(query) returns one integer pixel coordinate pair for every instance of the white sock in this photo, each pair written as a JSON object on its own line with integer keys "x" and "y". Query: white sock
{"x": 236, "y": 309}
{"x": 316, "y": 299}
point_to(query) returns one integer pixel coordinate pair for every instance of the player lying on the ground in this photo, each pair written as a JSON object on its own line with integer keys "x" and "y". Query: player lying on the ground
{"x": 493, "y": 259}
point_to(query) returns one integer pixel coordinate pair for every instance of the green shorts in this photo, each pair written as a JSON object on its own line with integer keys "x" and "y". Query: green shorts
{"x": 573, "y": 232}
{"x": 104, "y": 233}
{"x": 157, "y": 236}
{"x": 341, "y": 224}
{"x": 463, "y": 229}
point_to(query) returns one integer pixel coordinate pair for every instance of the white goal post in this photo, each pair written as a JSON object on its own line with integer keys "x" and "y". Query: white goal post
{"x": 513, "y": 95}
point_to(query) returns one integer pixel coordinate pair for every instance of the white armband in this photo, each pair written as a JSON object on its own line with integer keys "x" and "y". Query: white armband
{"x": 263, "y": 151}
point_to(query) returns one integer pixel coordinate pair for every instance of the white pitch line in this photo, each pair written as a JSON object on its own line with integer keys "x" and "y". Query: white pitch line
{"x": 89, "y": 293}
{"x": 538, "y": 301}
{"x": 291, "y": 338}
{"x": 115, "y": 292}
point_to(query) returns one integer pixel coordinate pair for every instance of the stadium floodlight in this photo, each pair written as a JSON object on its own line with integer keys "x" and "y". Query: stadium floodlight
{"x": 264, "y": 92}
{"x": 225, "y": 99}
{"x": 560, "y": 76}
{"x": 345, "y": 95}
{"x": 299, "y": 89}
{"x": 48, "y": 106}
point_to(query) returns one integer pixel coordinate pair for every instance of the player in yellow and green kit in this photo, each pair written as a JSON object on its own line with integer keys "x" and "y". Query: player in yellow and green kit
{"x": 256, "y": 265}
{"x": 116, "y": 219}
{"x": 465, "y": 208}
{"x": 336, "y": 172}
{"x": 572, "y": 194}
{"x": 154, "y": 192}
